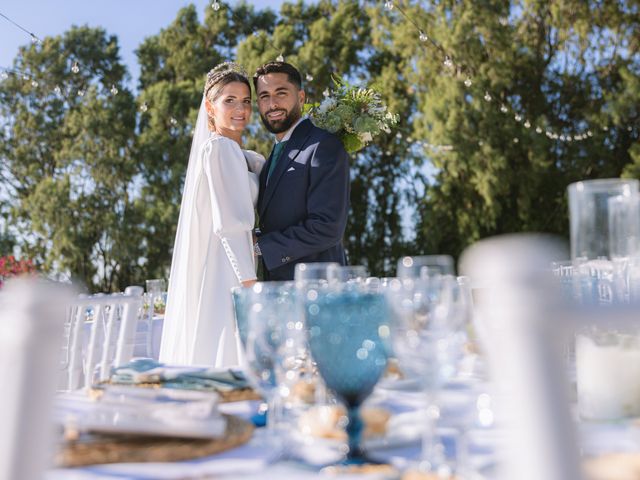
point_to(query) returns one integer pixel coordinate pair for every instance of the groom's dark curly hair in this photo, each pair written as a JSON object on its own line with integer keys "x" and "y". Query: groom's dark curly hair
{"x": 292, "y": 73}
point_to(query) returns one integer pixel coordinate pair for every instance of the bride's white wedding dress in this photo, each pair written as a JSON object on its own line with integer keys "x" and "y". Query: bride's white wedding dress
{"x": 213, "y": 252}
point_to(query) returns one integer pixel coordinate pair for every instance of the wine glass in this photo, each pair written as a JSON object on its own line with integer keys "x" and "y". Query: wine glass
{"x": 413, "y": 267}
{"x": 344, "y": 274}
{"x": 274, "y": 331}
{"x": 429, "y": 314}
{"x": 348, "y": 329}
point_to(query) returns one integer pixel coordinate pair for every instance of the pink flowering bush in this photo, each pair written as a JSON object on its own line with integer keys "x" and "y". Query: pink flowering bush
{"x": 10, "y": 267}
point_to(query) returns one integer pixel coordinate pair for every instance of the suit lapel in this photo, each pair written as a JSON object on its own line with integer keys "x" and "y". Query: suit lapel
{"x": 291, "y": 150}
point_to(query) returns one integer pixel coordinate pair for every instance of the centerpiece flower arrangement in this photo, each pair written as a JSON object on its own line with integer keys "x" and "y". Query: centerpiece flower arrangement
{"x": 357, "y": 115}
{"x": 11, "y": 267}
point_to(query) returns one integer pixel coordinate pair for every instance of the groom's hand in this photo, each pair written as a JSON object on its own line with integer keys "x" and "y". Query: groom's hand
{"x": 249, "y": 283}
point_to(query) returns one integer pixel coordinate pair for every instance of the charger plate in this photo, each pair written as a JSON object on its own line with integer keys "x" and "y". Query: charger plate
{"x": 91, "y": 449}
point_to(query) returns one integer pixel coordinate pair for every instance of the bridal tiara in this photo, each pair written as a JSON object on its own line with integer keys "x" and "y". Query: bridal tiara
{"x": 220, "y": 71}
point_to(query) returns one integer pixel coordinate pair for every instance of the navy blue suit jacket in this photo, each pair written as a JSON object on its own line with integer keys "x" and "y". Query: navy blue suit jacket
{"x": 303, "y": 208}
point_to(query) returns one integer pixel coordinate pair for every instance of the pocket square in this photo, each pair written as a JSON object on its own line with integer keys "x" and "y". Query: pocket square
{"x": 291, "y": 169}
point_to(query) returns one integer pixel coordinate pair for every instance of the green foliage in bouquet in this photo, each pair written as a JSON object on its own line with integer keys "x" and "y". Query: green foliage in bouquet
{"x": 357, "y": 115}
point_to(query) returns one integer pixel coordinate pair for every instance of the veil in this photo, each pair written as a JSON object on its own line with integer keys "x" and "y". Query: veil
{"x": 178, "y": 281}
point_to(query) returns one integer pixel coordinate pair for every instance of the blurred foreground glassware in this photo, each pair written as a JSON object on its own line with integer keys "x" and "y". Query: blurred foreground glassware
{"x": 273, "y": 336}
{"x": 428, "y": 339}
{"x": 348, "y": 330}
{"x": 605, "y": 242}
{"x": 412, "y": 267}
{"x": 346, "y": 273}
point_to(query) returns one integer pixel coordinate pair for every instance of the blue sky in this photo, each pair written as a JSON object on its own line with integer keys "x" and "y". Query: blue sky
{"x": 130, "y": 20}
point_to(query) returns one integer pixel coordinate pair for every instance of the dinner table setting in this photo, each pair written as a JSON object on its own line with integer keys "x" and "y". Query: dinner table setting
{"x": 522, "y": 363}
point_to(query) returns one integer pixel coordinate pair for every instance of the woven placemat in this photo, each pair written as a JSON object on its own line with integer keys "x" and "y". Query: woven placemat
{"x": 93, "y": 449}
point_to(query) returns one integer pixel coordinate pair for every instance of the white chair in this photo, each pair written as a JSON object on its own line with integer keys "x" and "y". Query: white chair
{"x": 111, "y": 341}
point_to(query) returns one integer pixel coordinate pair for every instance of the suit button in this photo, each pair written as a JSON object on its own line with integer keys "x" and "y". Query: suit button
{"x": 284, "y": 260}
{"x": 288, "y": 258}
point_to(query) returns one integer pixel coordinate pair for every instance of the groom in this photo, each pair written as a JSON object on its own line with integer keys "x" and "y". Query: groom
{"x": 304, "y": 186}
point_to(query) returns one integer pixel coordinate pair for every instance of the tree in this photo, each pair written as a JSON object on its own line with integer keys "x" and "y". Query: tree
{"x": 67, "y": 168}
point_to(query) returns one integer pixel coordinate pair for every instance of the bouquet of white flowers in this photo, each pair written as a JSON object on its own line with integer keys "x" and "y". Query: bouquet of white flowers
{"x": 355, "y": 114}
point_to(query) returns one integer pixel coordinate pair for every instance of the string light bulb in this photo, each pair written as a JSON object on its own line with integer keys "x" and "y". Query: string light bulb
{"x": 517, "y": 118}
{"x": 57, "y": 90}
{"x": 516, "y": 140}
{"x": 75, "y": 67}
{"x": 468, "y": 82}
{"x": 35, "y": 40}
{"x": 144, "y": 107}
{"x": 423, "y": 37}
{"x": 503, "y": 108}
{"x": 280, "y": 58}
{"x": 388, "y": 5}
{"x": 34, "y": 83}
{"x": 309, "y": 77}
{"x": 81, "y": 93}
{"x": 527, "y": 124}
{"x": 4, "y": 75}
{"x": 538, "y": 130}
{"x": 173, "y": 121}
{"x": 447, "y": 61}
{"x": 487, "y": 96}
{"x": 114, "y": 90}
{"x": 215, "y": 5}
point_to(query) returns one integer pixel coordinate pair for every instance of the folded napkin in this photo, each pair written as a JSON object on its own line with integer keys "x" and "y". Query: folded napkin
{"x": 145, "y": 370}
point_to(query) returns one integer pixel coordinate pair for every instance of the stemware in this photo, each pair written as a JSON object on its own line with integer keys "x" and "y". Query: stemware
{"x": 272, "y": 335}
{"x": 348, "y": 330}
{"x": 429, "y": 316}
{"x": 424, "y": 265}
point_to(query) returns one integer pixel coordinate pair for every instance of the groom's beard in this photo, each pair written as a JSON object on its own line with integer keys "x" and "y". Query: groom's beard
{"x": 279, "y": 126}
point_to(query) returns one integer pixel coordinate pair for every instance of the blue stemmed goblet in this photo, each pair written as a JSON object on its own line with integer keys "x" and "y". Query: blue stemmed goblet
{"x": 347, "y": 325}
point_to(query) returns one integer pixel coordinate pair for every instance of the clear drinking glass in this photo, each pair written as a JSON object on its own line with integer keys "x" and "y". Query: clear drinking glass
{"x": 429, "y": 315}
{"x": 274, "y": 332}
{"x": 604, "y": 220}
{"x": 412, "y": 267}
{"x": 343, "y": 274}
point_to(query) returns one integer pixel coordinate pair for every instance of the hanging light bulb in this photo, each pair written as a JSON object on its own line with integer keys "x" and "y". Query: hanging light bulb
{"x": 538, "y": 130}
{"x": 516, "y": 140}
{"x": 468, "y": 82}
{"x": 57, "y": 90}
{"x": 589, "y": 133}
{"x": 4, "y": 75}
{"x": 423, "y": 37}
{"x": 447, "y": 62}
{"x": 75, "y": 68}
{"x": 173, "y": 121}
{"x": 81, "y": 93}
{"x": 527, "y": 124}
{"x": 114, "y": 90}
{"x": 35, "y": 40}
{"x": 34, "y": 83}
{"x": 144, "y": 107}
{"x": 503, "y": 108}
{"x": 487, "y": 96}
{"x": 517, "y": 118}
{"x": 504, "y": 21}
{"x": 605, "y": 128}
{"x": 388, "y": 5}
{"x": 280, "y": 58}
{"x": 309, "y": 77}
{"x": 25, "y": 77}
{"x": 215, "y": 5}
{"x": 326, "y": 92}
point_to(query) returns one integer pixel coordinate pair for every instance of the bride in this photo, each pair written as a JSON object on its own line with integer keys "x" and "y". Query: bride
{"x": 213, "y": 250}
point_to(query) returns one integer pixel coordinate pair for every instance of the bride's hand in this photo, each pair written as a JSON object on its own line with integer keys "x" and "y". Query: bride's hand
{"x": 249, "y": 283}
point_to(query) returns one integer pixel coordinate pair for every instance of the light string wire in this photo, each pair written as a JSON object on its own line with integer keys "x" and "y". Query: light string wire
{"x": 489, "y": 97}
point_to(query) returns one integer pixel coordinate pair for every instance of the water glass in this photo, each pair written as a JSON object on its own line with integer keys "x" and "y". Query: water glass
{"x": 344, "y": 274}
{"x": 414, "y": 267}
{"x": 348, "y": 327}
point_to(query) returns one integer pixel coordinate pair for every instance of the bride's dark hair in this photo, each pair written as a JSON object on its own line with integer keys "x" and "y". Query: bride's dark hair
{"x": 222, "y": 75}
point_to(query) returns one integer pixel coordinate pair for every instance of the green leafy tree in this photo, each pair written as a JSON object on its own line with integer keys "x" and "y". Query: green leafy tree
{"x": 67, "y": 167}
